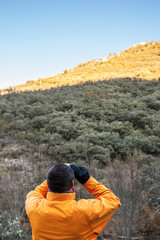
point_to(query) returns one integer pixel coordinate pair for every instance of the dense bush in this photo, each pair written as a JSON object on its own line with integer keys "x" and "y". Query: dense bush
{"x": 126, "y": 112}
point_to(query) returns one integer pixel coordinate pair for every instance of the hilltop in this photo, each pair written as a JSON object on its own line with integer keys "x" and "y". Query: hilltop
{"x": 139, "y": 61}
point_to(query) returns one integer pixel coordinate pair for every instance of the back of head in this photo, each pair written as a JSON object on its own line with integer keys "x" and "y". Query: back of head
{"x": 59, "y": 178}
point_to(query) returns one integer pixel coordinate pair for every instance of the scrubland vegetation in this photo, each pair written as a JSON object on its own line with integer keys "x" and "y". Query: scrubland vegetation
{"x": 111, "y": 127}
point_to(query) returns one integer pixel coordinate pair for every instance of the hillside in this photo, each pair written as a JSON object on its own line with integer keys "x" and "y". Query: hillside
{"x": 141, "y": 61}
{"x": 111, "y": 127}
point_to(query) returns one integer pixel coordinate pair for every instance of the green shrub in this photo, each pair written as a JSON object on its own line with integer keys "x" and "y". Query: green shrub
{"x": 11, "y": 228}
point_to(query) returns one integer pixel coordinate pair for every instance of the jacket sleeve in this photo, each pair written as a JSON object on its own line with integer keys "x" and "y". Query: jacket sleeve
{"x": 36, "y": 196}
{"x": 98, "y": 211}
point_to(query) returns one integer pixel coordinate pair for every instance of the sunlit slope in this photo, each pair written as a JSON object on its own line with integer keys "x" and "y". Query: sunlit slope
{"x": 141, "y": 61}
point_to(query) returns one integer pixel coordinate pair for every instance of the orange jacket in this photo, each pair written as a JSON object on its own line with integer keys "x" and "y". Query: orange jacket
{"x": 55, "y": 216}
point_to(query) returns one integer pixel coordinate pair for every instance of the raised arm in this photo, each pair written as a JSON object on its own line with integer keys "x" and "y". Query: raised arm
{"x": 97, "y": 211}
{"x": 106, "y": 203}
{"x": 35, "y": 196}
{"x": 100, "y": 191}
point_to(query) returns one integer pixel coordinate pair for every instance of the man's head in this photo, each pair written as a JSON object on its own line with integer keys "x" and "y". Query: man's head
{"x": 60, "y": 178}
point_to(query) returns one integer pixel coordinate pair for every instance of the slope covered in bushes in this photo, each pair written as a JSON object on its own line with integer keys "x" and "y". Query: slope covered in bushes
{"x": 89, "y": 121}
{"x": 111, "y": 127}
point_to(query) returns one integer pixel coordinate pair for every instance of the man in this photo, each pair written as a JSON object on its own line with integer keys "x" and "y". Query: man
{"x": 55, "y": 214}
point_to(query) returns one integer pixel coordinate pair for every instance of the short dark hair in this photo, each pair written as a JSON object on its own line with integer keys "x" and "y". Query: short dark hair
{"x": 59, "y": 178}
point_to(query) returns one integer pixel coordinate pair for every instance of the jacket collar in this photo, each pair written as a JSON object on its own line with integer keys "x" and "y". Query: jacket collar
{"x": 60, "y": 196}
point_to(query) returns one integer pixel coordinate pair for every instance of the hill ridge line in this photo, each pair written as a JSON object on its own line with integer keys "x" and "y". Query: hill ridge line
{"x": 140, "y": 61}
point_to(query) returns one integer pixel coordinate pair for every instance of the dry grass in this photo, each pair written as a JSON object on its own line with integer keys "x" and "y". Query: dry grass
{"x": 141, "y": 61}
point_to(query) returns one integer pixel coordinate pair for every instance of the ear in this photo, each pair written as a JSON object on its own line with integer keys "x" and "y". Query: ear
{"x": 72, "y": 184}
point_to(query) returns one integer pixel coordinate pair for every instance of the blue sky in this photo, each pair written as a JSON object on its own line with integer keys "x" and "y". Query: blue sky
{"x": 41, "y": 38}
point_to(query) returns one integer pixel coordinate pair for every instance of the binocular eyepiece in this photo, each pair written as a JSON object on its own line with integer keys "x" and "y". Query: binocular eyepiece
{"x": 68, "y": 164}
